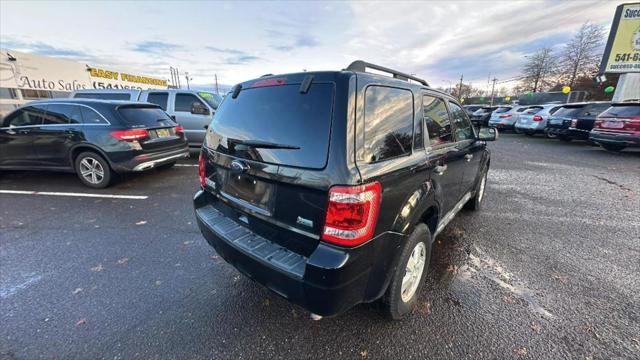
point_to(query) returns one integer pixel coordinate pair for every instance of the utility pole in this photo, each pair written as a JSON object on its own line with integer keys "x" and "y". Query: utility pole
{"x": 186, "y": 76}
{"x": 460, "y": 89}
{"x": 217, "y": 90}
{"x": 492, "y": 89}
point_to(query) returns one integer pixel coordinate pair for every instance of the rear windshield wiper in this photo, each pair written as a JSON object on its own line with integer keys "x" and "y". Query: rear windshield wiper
{"x": 261, "y": 144}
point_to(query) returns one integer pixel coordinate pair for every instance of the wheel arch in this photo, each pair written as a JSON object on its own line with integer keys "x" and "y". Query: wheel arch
{"x": 80, "y": 148}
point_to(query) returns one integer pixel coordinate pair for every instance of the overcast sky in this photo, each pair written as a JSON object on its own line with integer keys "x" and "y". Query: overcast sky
{"x": 241, "y": 40}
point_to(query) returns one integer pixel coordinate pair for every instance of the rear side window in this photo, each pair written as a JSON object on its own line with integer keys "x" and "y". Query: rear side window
{"x": 184, "y": 102}
{"x": 62, "y": 114}
{"x": 388, "y": 119}
{"x": 89, "y": 116}
{"x": 143, "y": 116}
{"x": 103, "y": 96}
{"x": 159, "y": 99}
{"x": 30, "y": 115}
{"x": 279, "y": 115}
{"x": 622, "y": 111}
{"x": 437, "y": 120}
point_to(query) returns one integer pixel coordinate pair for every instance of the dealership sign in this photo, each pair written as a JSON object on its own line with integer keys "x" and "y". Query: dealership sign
{"x": 35, "y": 72}
{"x": 622, "y": 53}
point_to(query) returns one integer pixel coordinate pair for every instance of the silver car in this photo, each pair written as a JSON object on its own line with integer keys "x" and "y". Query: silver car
{"x": 534, "y": 119}
{"x": 506, "y": 117}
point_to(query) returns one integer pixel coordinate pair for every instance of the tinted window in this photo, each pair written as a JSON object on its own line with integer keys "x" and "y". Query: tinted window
{"x": 388, "y": 119}
{"x": 625, "y": 111}
{"x": 502, "y": 110}
{"x": 522, "y": 109}
{"x": 89, "y": 116}
{"x": 568, "y": 111}
{"x": 276, "y": 114}
{"x": 418, "y": 136}
{"x": 437, "y": 120}
{"x": 103, "y": 96}
{"x": 158, "y": 99}
{"x": 593, "y": 110}
{"x": 533, "y": 110}
{"x": 62, "y": 114}
{"x": 464, "y": 130}
{"x": 30, "y": 115}
{"x": 184, "y": 102}
{"x": 145, "y": 116}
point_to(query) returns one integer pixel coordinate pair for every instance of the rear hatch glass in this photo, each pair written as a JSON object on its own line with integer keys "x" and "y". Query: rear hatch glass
{"x": 292, "y": 127}
{"x": 622, "y": 111}
{"x": 141, "y": 116}
{"x": 568, "y": 111}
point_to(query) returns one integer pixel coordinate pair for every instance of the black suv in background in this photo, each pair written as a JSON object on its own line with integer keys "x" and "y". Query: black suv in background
{"x": 93, "y": 138}
{"x": 574, "y": 121}
{"x": 330, "y": 187}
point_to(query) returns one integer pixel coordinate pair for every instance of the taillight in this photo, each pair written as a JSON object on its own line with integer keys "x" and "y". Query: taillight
{"x": 201, "y": 170}
{"x": 505, "y": 116}
{"x": 574, "y": 123}
{"x": 179, "y": 129}
{"x": 352, "y": 213}
{"x": 269, "y": 82}
{"x": 130, "y": 135}
{"x": 597, "y": 124}
{"x": 537, "y": 118}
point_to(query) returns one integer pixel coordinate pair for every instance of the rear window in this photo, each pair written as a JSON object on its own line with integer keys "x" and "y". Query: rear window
{"x": 502, "y": 110}
{"x": 592, "y": 110}
{"x": 103, "y": 96}
{"x": 144, "y": 116}
{"x": 277, "y": 115}
{"x": 622, "y": 111}
{"x": 533, "y": 110}
{"x": 568, "y": 111}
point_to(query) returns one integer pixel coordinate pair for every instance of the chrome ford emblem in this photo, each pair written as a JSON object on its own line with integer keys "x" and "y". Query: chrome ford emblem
{"x": 239, "y": 167}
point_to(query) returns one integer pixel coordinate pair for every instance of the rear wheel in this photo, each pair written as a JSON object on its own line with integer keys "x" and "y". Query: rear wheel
{"x": 613, "y": 147}
{"x": 408, "y": 278}
{"x": 550, "y": 135}
{"x": 93, "y": 170}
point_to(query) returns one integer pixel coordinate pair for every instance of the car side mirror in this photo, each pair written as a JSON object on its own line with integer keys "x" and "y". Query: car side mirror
{"x": 199, "y": 109}
{"x": 488, "y": 134}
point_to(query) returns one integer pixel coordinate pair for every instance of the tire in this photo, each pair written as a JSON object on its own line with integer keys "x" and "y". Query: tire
{"x": 475, "y": 203}
{"x": 166, "y": 166}
{"x": 93, "y": 170}
{"x": 418, "y": 246}
{"x": 550, "y": 135}
{"x": 613, "y": 147}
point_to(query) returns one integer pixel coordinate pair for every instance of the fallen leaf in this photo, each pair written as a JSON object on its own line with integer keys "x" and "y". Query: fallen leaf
{"x": 97, "y": 268}
{"x": 141, "y": 222}
{"x": 364, "y": 353}
{"x": 81, "y": 322}
{"x": 452, "y": 269}
{"x": 509, "y": 300}
{"x": 188, "y": 242}
{"x": 425, "y": 309}
{"x": 123, "y": 261}
{"x": 536, "y": 327}
{"x": 520, "y": 352}
{"x": 265, "y": 302}
{"x": 77, "y": 290}
{"x": 158, "y": 282}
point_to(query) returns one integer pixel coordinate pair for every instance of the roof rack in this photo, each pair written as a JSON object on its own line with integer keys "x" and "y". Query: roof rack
{"x": 361, "y": 66}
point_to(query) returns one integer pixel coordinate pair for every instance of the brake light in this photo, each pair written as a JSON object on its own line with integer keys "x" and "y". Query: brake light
{"x": 505, "y": 116}
{"x": 537, "y": 118}
{"x": 130, "y": 135}
{"x": 598, "y": 123}
{"x": 269, "y": 82}
{"x": 201, "y": 170}
{"x": 574, "y": 123}
{"x": 179, "y": 129}
{"x": 352, "y": 213}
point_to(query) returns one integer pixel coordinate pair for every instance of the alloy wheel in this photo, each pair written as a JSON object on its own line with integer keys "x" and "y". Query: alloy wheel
{"x": 91, "y": 170}
{"x": 413, "y": 272}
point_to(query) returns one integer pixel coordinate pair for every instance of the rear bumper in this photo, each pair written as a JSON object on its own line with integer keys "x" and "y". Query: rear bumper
{"x": 501, "y": 125}
{"x": 146, "y": 161}
{"x": 615, "y": 138}
{"x": 569, "y": 133}
{"x": 327, "y": 282}
{"x": 534, "y": 127}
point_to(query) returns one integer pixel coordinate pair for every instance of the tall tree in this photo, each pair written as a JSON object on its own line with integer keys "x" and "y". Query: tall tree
{"x": 538, "y": 66}
{"x": 582, "y": 54}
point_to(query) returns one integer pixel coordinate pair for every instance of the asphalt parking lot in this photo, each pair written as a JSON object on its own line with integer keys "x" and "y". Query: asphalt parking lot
{"x": 548, "y": 269}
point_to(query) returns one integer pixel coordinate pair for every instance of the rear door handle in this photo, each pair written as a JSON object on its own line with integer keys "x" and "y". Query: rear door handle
{"x": 440, "y": 169}
{"x": 468, "y": 157}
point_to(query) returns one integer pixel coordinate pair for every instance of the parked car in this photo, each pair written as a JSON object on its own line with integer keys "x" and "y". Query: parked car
{"x": 470, "y": 109}
{"x": 343, "y": 207}
{"x": 575, "y": 121}
{"x": 534, "y": 119}
{"x": 192, "y": 109}
{"x": 96, "y": 139}
{"x": 506, "y": 118}
{"x": 481, "y": 116}
{"x": 618, "y": 127}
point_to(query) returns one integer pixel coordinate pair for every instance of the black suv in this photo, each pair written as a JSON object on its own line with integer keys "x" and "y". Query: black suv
{"x": 330, "y": 187}
{"x": 574, "y": 121}
{"x": 93, "y": 138}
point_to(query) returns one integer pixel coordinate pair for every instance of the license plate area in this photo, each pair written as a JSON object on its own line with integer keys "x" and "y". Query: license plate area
{"x": 161, "y": 133}
{"x": 248, "y": 191}
{"x": 613, "y": 124}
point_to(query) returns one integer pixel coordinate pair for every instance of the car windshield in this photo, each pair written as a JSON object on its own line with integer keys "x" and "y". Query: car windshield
{"x": 212, "y": 99}
{"x": 622, "y": 110}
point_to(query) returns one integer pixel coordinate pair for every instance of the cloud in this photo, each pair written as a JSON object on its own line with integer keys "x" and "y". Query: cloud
{"x": 41, "y": 48}
{"x": 298, "y": 42}
{"x": 155, "y": 47}
{"x": 234, "y": 56}
{"x": 225, "y": 51}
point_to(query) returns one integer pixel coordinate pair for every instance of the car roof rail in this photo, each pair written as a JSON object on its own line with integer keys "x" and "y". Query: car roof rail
{"x": 361, "y": 66}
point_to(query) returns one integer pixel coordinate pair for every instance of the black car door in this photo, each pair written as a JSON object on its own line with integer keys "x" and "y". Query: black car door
{"x": 465, "y": 137}
{"x": 445, "y": 159}
{"x": 16, "y": 137}
{"x": 59, "y": 131}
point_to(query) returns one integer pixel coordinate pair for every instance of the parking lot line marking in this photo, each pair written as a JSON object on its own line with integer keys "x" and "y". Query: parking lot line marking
{"x": 49, "y": 193}
{"x": 5, "y": 292}
{"x": 186, "y": 165}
